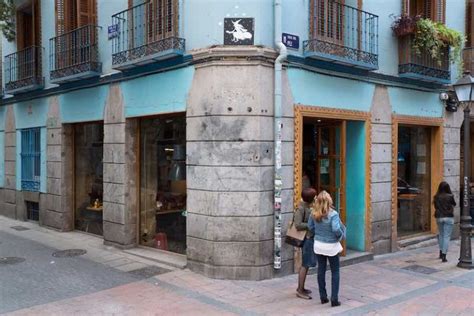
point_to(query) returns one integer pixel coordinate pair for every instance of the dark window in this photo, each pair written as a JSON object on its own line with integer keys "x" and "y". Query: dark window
{"x": 30, "y": 159}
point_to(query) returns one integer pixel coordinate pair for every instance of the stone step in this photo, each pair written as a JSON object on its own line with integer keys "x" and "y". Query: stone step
{"x": 354, "y": 257}
{"x": 160, "y": 256}
{"x": 417, "y": 241}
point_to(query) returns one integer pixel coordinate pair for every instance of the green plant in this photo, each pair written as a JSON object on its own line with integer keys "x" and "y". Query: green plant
{"x": 7, "y": 19}
{"x": 434, "y": 38}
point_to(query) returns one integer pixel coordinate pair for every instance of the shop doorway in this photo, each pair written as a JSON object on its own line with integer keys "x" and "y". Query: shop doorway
{"x": 414, "y": 192}
{"x": 88, "y": 176}
{"x": 334, "y": 159}
{"x": 418, "y": 161}
{"x": 163, "y": 183}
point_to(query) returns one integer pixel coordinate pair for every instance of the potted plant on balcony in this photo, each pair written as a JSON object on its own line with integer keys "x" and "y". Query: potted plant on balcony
{"x": 434, "y": 37}
{"x": 404, "y": 24}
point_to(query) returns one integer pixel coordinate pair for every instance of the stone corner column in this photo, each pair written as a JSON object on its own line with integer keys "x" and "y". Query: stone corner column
{"x": 230, "y": 172}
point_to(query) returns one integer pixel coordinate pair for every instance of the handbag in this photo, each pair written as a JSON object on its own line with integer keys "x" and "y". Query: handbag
{"x": 295, "y": 237}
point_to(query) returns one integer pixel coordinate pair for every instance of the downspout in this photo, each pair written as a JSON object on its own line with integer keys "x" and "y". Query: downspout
{"x": 277, "y": 135}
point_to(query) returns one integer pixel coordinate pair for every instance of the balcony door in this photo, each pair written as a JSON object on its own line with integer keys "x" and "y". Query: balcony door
{"x": 74, "y": 47}
{"x": 28, "y": 25}
{"x": 329, "y": 21}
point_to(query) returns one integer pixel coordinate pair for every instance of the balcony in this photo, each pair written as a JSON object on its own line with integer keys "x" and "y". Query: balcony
{"x": 343, "y": 34}
{"x": 468, "y": 58}
{"x": 75, "y": 55}
{"x": 145, "y": 33}
{"x": 421, "y": 66}
{"x": 23, "y": 71}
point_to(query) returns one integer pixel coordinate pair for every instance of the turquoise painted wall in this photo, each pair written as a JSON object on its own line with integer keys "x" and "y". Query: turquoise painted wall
{"x": 204, "y": 26}
{"x": 165, "y": 92}
{"x": 309, "y": 88}
{"x": 355, "y": 185}
{"x": 388, "y": 44}
{"x": 455, "y": 12}
{"x": 84, "y": 105}
{"x": 105, "y": 10}
{"x": 412, "y": 102}
{"x": 31, "y": 113}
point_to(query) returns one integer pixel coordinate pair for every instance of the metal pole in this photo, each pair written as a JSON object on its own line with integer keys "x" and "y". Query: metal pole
{"x": 465, "y": 257}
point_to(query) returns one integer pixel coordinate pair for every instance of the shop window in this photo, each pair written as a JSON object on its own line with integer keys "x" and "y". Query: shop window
{"x": 163, "y": 183}
{"x": 88, "y": 176}
{"x": 30, "y": 159}
{"x": 414, "y": 180}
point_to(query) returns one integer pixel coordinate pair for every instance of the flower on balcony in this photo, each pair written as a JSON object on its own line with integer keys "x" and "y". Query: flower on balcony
{"x": 404, "y": 24}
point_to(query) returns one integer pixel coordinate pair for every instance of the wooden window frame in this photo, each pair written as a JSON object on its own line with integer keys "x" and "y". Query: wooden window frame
{"x": 437, "y": 163}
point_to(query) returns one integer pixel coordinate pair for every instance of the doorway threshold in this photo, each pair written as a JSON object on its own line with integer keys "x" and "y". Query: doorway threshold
{"x": 165, "y": 257}
{"x": 354, "y": 257}
{"x": 417, "y": 241}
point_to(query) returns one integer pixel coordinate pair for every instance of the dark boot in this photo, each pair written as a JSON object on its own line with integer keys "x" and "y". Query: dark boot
{"x": 440, "y": 255}
{"x": 335, "y": 303}
{"x": 443, "y": 258}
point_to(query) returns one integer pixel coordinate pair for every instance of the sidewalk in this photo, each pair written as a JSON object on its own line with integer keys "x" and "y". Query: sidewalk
{"x": 403, "y": 283}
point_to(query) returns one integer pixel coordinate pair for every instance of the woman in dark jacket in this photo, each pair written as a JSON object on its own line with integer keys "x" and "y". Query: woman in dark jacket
{"x": 444, "y": 212}
{"x": 302, "y": 215}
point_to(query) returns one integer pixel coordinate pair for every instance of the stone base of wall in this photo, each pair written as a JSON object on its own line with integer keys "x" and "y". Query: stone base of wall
{"x": 241, "y": 273}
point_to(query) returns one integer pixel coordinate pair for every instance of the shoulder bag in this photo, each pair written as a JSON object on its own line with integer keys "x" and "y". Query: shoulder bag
{"x": 294, "y": 237}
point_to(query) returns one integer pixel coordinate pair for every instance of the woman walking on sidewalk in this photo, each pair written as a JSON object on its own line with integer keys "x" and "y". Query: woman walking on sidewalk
{"x": 328, "y": 231}
{"x": 302, "y": 215}
{"x": 444, "y": 212}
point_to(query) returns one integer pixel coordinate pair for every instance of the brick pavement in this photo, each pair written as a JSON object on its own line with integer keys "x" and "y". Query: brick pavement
{"x": 380, "y": 287}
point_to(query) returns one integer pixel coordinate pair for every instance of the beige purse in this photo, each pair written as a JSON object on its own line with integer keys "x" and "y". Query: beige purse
{"x": 295, "y": 237}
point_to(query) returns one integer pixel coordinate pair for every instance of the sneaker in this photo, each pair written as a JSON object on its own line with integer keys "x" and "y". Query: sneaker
{"x": 306, "y": 291}
{"x": 303, "y": 295}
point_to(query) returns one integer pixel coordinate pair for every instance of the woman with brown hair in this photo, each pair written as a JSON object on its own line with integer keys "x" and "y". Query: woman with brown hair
{"x": 328, "y": 231}
{"x": 302, "y": 215}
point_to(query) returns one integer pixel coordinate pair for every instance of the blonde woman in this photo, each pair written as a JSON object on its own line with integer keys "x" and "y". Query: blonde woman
{"x": 328, "y": 231}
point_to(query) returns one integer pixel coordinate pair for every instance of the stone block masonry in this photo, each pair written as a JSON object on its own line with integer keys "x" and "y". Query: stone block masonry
{"x": 381, "y": 170}
{"x": 120, "y": 173}
{"x": 9, "y": 192}
{"x": 230, "y": 172}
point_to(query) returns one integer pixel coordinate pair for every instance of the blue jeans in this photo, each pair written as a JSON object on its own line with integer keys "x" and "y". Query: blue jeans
{"x": 322, "y": 264}
{"x": 445, "y": 228}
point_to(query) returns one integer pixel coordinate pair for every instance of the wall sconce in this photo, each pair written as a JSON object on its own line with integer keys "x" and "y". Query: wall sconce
{"x": 450, "y": 101}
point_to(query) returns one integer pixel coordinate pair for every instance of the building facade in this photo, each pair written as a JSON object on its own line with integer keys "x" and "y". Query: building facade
{"x": 152, "y": 123}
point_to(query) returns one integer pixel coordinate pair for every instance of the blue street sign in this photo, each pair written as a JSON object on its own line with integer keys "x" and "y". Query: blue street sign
{"x": 290, "y": 40}
{"x": 113, "y": 31}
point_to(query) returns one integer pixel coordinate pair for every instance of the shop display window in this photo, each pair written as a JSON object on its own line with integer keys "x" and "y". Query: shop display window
{"x": 88, "y": 176}
{"x": 414, "y": 180}
{"x": 163, "y": 183}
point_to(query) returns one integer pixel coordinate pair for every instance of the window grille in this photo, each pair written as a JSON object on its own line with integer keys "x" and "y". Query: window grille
{"x": 30, "y": 159}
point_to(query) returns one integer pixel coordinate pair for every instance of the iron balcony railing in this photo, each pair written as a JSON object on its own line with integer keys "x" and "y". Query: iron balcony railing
{"x": 421, "y": 66}
{"x": 343, "y": 34}
{"x": 23, "y": 70}
{"x": 75, "y": 54}
{"x": 146, "y": 32}
{"x": 468, "y": 57}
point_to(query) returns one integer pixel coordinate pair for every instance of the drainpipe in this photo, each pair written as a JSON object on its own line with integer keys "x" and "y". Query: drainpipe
{"x": 277, "y": 135}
